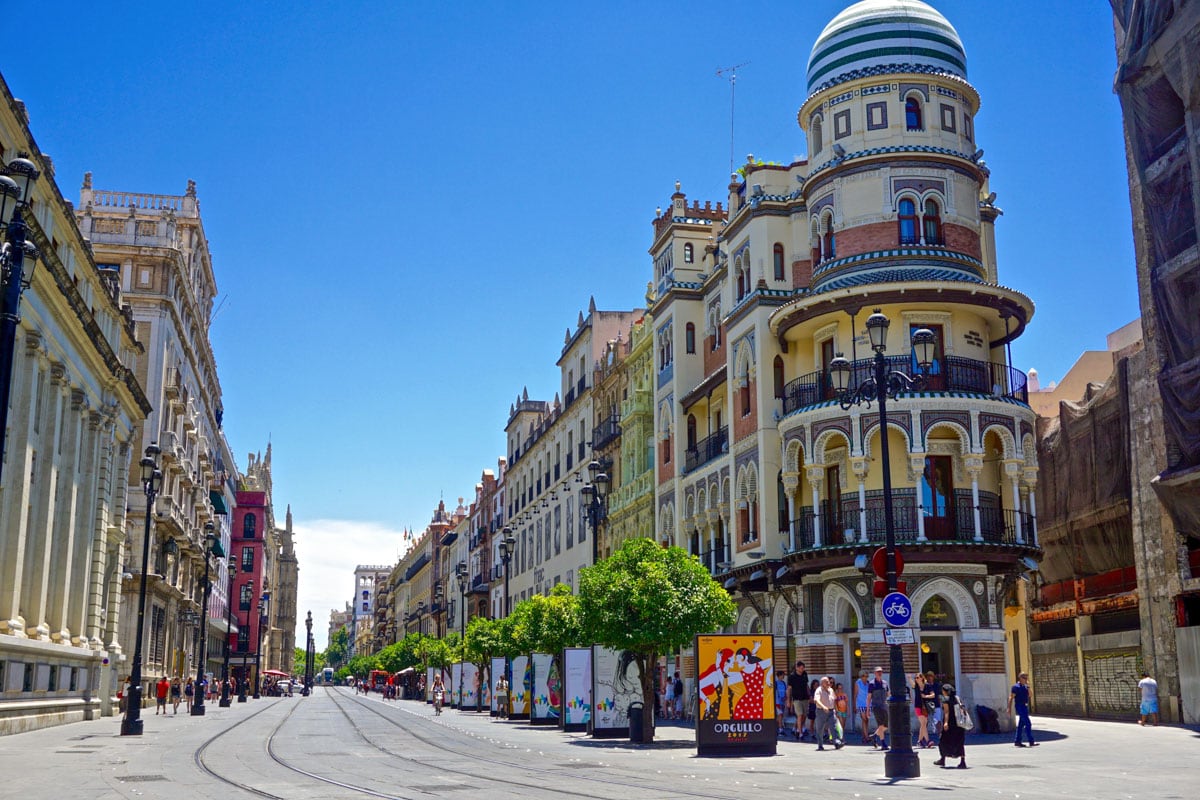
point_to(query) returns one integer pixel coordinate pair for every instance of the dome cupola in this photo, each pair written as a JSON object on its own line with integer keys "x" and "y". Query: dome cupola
{"x": 877, "y": 37}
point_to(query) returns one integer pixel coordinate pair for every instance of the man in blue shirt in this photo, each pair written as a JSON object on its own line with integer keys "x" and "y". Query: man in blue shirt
{"x": 1019, "y": 698}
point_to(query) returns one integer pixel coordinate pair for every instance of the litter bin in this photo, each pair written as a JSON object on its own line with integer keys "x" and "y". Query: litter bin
{"x": 637, "y": 731}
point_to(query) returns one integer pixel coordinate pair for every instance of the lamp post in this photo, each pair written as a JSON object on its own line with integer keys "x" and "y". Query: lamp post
{"x": 308, "y": 655}
{"x": 15, "y": 186}
{"x": 901, "y": 760}
{"x": 460, "y": 572}
{"x": 212, "y": 547}
{"x": 595, "y": 501}
{"x": 420, "y": 620}
{"x": 439, "y": 602}
{"x": 232, "y": 573}
{"x": 151, "y": 484}
{"x": 245, "y": 667}
{"x": 264, "y": 610}
{"x": 507, "y": 548}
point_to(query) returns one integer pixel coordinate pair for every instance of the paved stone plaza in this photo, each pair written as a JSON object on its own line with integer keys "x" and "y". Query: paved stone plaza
{"x": 337, "y": 745}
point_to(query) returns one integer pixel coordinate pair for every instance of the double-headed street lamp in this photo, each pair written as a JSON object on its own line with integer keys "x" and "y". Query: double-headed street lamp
{"x": 212, "y": 549}
{"x": 508, "y": 546}
{"x": 16, "y": 185}
{"x": 901, "y": 760}
{"x": 460, "y": 572}
{"x": 264, "y": 618}
{"x": 152, "y": 478}
{"x": 308, "y": 656}
{"x": 232, "y": 573}
{"x": 595, "y": 501}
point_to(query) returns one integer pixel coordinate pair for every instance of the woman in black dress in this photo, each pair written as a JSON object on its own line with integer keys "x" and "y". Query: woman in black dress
{"x": 952, "y": 743}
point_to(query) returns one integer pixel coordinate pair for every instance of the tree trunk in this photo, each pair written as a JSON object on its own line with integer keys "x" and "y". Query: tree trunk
{"x": 645, "y": 668}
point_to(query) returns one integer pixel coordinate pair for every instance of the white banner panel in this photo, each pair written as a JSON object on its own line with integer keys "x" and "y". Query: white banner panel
{"x": 520, "y": 685}
{"x": 616, "y": 682}
{"x": 499, "y": 667}
{"x": 546, "y": 688}
{"x": 577, "y": 685}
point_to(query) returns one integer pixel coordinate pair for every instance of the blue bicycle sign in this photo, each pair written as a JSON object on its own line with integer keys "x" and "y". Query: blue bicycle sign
{"x": 897, "y": 609}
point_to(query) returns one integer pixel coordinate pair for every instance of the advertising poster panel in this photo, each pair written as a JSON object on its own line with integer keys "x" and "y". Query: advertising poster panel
{"x": 499, "y": 667}
{"x": 616, "y": 682}
{"x": 577, "y": 688}
{"x": 547, "y": 689}
{"x": 429, "y": 673}
{"x": 736, "y": 697}
{"x": 456, "y": 671}
{"x": 520, "y": 683}
{"x": 469, "y": 686}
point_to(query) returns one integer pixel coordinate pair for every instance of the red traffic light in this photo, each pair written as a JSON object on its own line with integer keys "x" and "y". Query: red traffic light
{"x": 879, "y": 562}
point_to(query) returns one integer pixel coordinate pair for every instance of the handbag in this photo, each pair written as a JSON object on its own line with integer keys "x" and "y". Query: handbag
{"x": 963, "y": 717}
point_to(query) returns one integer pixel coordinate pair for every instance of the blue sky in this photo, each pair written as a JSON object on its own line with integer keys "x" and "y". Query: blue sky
{"x": 409, "y": 203}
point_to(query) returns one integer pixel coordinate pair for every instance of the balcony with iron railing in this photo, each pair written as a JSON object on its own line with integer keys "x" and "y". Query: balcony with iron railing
{"x": 706, "y": 450}
{"x": 841, "y": 523}
{"x": 949, "y": 374}
{"x": 606, "y": 432}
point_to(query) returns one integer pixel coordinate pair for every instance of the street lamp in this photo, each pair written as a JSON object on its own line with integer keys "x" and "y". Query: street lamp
{"x": 460, "y": 572}
{"x": 308, "y": 655}
{"x": 264, "y": 610}
{"x": 15, "y": 186}
{"x": 212, "y": 547}
{"x": 420, "y": 621}
{"x": 901, "y": 760}
{"x": 439, "y": 602}
{"x": 507, "y": 547}
{"x": 249, "y": 588}
{"x": 595, "y": 501}
{"x": 232, "y": 573}
{"x": 152, "y": 478}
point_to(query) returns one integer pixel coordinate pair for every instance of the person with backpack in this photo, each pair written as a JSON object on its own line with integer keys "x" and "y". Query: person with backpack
{"x": 877, "y": 690}
{"x": 678, "y": 688}
{"x": 954, "y": 728}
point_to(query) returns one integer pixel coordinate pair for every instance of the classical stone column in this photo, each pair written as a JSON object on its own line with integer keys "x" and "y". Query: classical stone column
{"x": 791, "y": 484}
{"x": 816, "y": 472}
{"x": 916, "y": 468}
{"x": 860, "y": 466}
{"x": 1012, "y": 469}
{"x": 116, "y": 548}
{"x": 42, "y": 511}
{"x": 974, "y": 466}
{"x": 68, "y": 509}
{"x": 1031, "y": 486}
{"x": 100, "y": 549}
{"x": 712, "y": 516}
{"x": 88, "y": 532}
{"x": 17, "y": 494}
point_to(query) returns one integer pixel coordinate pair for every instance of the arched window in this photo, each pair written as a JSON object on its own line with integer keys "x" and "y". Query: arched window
{"x": 816, "y": 241}
{"x": 778, "y": 259}
{"x": 744, "y": 396}
{"x": 689, "y": 337}
{"x": 691, "y": 432}
{"x": 816, "y": 135}
{"x": 828, "y": 245}
{"x": 778, "y": 373}
{"x": 908, "y": 221}
{"x": 248, "y": 527}
{"x": 912, "y": 114}
{"x": 932, "y": 223}
{"x": 688, "y": 253}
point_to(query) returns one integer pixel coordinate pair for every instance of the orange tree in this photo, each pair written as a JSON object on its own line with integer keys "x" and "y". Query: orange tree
{"x": 650, "y": 600}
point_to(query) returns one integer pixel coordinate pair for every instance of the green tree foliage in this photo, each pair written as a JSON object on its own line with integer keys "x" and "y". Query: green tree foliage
{"x": 402, "y": 654}
{"x": 339, "y": 647}
{"x": 554, "y": 622}
{"x": 299, "y": 666}
{"x": 361, "y": 665}
{"x": 649, "y": 600}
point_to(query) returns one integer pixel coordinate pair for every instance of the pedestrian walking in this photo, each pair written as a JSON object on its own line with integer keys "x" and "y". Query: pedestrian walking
{"x": 1018, "y": 703}
{"x": 935, "y": 721}
{"x": 825, "y": 708}
{"x": 924, "y": 701}
{"x": 176, "y": 695}
{"x": 842, "y": 703}
{"x": 781, "y": 700}
{"x": 161, "y": 690}
{"x": 1149, "y": 707}
{"x": 798, "y": 693}
{"x": 878, "y": 692}
{"x": 862, "y": 705}
{"x": 502, "y": 696}
{"x": 668, "y": 706}
{"x": 954, "y": 736}
{"x": 189, "y": 692}
{"x": 678, "y": 696}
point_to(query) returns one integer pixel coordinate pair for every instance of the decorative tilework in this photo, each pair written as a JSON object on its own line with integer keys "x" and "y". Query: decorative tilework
{"x": 867, "y": 424}
{"x": 841, "y": 98}
{"x": 877, "y": 116}
{"x": 880, "y": 89}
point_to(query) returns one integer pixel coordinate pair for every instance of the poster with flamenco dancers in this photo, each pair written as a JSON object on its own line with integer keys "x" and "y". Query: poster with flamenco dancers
{"x": 735, "y": 695}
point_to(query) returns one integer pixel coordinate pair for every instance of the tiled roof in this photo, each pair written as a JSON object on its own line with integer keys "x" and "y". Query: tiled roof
{"x": 894, "y": 274}
{"x": 938, "y": 254}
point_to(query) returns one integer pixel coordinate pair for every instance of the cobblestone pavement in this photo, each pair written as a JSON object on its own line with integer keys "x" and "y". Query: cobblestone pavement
{"x": 338, "y": 745}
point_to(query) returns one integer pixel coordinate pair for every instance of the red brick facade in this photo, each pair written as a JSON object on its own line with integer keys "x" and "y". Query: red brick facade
{"x": 982, "y": 657}
{"x": 666, "y": 469}
{"x": 713, "y": 359}
{"x": 886, "y": 236}
{"x": 744, "y": 423}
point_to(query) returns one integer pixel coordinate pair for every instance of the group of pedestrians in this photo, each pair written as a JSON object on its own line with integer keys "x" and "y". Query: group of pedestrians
{"x": 175, "y": 692}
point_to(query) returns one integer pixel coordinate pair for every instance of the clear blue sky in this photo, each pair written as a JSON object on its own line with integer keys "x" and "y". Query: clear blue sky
{"x": 409, "y": 203}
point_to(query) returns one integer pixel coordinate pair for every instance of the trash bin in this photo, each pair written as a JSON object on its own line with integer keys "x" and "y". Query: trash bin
{"x": 637, "y": 731}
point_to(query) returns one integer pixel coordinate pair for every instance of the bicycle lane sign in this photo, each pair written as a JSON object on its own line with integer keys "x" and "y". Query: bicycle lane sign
{"x": 897, "y": 610}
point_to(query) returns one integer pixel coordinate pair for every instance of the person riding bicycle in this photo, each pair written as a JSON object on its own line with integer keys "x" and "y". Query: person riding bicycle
{"x": 439, "y": 692}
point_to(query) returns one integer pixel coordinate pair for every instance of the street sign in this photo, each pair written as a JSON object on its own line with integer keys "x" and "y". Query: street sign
{"x": 899, "y": 636}
{"x": 897, "y": 610}
{"x": 879, "y": 563}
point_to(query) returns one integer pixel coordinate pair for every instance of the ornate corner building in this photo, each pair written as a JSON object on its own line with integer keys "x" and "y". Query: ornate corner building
{"x": 761, "y": 472}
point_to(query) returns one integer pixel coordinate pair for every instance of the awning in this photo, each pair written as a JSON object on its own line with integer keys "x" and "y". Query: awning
{"x": 276, "y": 673}
{"x": 405, "y": 671}
{"x": 218, "y": 502}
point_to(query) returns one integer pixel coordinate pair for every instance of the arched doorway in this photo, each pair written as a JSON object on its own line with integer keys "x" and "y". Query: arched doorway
{"x": 938, "y": 622}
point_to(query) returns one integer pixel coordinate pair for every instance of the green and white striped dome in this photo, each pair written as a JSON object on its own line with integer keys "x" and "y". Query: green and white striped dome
{"x": 876, "y": 37}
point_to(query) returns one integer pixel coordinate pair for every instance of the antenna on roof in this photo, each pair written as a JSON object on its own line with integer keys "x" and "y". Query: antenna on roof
{"x": 732, "y": 72}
